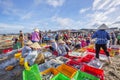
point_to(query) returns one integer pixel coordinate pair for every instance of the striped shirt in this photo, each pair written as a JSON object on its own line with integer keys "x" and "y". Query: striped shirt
{"x": 101, "y": 37}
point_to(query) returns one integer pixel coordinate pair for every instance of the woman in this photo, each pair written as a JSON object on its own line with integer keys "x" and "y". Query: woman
{"x": 69, "y": 44}
{"x": 21, "y": 38}
{"x": 26, "y": 49}
{"x": 35, "y": 36}
{"x": 31, "y": 57}
{"x": 63, "y": 48}
{"x": 16, "y": 44}
{"x": 54, "y": 47}
{"x": 102, "y": 38}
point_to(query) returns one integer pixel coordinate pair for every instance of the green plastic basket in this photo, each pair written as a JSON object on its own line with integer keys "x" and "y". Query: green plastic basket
{"x": 60, "y": 76}
{"x": 84, "y": 76}
{"x": 32, "y": 74}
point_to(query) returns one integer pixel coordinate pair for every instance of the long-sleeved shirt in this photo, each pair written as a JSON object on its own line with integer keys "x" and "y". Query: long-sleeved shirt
{"x": 31, "y": 57}
{"x": 63, "y": 49}
{"x": 35, "y": 36}
{"x": 54, "y": 45}
{"x": 101, "y": 37}
{"x": 26, "y": 50}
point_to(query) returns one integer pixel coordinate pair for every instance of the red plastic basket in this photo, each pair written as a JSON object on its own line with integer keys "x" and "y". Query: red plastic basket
{"x": 88, "y": 58}
{"x": 71, "y": 57}
{"x": 94, "y": 71}
{"x": 55, "y": 53}
{"x": 7, "y": 50}
{"x": 74, "y": 64}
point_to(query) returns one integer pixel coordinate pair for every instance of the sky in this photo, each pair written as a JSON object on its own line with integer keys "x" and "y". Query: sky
{"x": 47, "y": 15}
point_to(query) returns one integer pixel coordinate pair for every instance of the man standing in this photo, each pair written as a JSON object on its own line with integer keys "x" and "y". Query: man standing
{"x": 101, "y": 41}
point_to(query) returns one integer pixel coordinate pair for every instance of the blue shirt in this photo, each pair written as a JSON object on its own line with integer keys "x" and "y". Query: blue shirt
{"x": 102, "y": 37}
{"x": 26, "y": 50}
{"x": 31, "y": 57}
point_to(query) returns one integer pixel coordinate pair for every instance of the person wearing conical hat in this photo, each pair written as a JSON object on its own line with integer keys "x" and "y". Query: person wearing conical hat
{"x": 35, "y": 35}
{"x": 54, "y": 47}
{"x": 102, "y": 38}
{"x": 35, "y": 46}
{"x": 31, "y": 57}
{"x": 63, "y": 48}
{"x": 69, "y": 43}
{"x": 27, "y": 48}
{"x": 21, "y": 38}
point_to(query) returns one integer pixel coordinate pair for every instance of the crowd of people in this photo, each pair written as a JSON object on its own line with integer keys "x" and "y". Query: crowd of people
{"x": 61, "y": 44}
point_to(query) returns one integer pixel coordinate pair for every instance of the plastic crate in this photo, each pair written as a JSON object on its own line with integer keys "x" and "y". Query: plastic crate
{"x": 7, "y": 50}
{"x": 50, "y": 70}
{"x": 91, "y": 50}
{"x": 44, "y": 66}
{"x": 74, "y": 64}
{"x": 62, "y": 59}
{"x": 66, "y": 70}
{"x": 60, "y": 77}
{"x": 84, "y": 76}
{"x": 54, "y": 63}
{"x": 71, "y": 57}
{"x": 55, "y": 53}
{"x": 87, "y": 58}
{"x": 94, "y": 71}
{"x": 96, "y": 64}
{"x": 32, "y": 74}
{"x": 17, "y": 55}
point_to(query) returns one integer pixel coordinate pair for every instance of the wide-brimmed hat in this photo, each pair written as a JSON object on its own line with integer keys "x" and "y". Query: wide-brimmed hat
{"x": 103, "y": 27}
{"x": 61, "y": 41}
{"x": 29, "y": 43}
{"x": 35, "y": 45}
{"x": 36, "y": 29}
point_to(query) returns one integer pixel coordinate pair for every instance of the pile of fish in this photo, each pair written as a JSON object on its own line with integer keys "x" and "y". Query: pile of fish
{"x": 48, "y": 76}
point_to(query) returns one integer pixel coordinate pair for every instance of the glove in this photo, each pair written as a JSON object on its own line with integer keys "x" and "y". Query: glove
{"x": 26, "y": 66}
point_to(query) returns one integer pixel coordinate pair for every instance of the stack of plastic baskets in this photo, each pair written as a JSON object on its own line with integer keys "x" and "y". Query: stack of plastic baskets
{"x": 66, "y": 70}
{"x": 87, "y": 58}
{"x": 32, "y": 74}
{"x": 94, "y": 71}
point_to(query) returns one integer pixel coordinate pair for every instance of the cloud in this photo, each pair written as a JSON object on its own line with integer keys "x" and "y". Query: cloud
{"x": 6, "y": 3}
{"x": 105, "y": 4}
{"x": 103, "y": 11}
{"x": 62, "y": 21}
{"x": 27, "y": 16}
{"x": 84, "y": 10}
{"x": 37, "y": 2}
{"x": 10, "y": 28}
{"x": 55, "y": 3}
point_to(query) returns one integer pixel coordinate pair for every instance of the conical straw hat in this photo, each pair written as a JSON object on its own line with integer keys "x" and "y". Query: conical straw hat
{"x": 35, "y": 45}
{"x": 103, "y": 26}
{"x": 36, "y": 29}
{"x": 29, "y": 43}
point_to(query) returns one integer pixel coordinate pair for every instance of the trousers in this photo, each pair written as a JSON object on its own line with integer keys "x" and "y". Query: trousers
{"x": 98, "y": 47}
